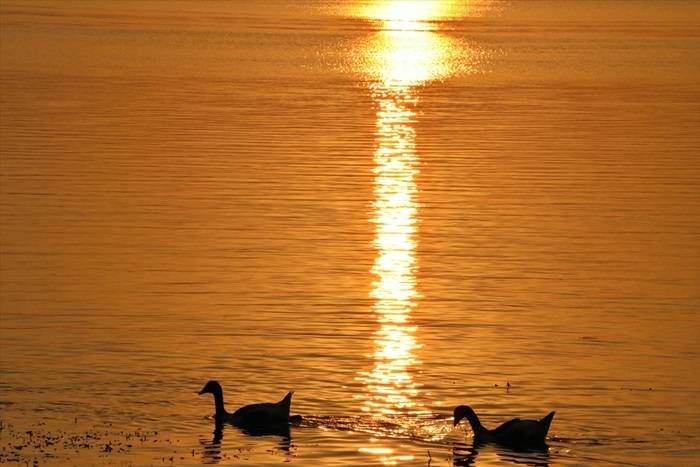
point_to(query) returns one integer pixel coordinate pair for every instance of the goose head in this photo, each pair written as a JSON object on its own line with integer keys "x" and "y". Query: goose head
{"x": 464, "y": 411}
{"x": 212, "y": 387}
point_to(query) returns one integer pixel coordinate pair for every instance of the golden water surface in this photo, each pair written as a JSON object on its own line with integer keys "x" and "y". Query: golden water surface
{"x": 391, "y": 207}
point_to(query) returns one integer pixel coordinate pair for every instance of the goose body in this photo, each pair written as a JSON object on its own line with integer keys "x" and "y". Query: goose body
{"x": 262, "y": 414}
{"x": 517, "y": 433}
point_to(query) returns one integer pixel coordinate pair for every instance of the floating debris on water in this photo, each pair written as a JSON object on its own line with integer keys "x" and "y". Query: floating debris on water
{"x": 40, "y": 444}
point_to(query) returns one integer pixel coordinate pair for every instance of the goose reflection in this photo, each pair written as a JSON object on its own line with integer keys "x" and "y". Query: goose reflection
{"x": 463, "y": 455}
{"x": 406, "y": 52}
{"x": 212, "y": 449}
{"x": 466, "y": 455}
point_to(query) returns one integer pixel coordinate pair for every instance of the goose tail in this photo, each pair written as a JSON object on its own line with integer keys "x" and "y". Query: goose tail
{"x": 286, "y": 403}
{"x": 546, "y": 421}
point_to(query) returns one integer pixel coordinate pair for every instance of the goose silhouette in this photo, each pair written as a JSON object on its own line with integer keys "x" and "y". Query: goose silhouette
{"x": 260, "y": 415}
{"x": 516, "y": 433}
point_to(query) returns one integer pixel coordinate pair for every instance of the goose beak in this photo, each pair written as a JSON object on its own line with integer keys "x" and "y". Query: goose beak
{"x": 200, "y": 392}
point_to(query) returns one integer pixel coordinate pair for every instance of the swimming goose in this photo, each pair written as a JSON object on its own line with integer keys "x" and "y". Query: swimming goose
{"x": 523, "y": 434}
{"x": 249, "y": 415}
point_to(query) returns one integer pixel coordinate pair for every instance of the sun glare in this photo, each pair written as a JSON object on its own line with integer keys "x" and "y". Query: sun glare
{"x": 409, "y": 48}
{"x": 408, "y": 15}
{"x": 407, "y": 52}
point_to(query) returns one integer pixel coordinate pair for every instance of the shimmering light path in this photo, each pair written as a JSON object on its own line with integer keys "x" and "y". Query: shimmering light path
{"x": 386, "y": 206}
{"x": 390, "y": 383}
{"x": 404, "y": 54}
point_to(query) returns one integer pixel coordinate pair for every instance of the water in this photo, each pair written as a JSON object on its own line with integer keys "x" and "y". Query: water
{"x": 392, "y": 208}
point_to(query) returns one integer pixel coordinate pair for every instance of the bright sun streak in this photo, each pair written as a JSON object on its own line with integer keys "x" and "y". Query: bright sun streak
{"x": 409, "y": 50}
{"x": 400, "y": 56}
{"x": 405, "y": 53}
{"x": 407, "y": 15}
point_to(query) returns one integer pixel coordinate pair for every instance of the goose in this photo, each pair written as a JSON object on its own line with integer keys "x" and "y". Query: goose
{"x": 262, "y": 414}
{"x": 523, "y": 434}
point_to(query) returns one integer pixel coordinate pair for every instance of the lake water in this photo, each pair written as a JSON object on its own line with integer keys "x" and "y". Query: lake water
{"x": 390, "y": 207}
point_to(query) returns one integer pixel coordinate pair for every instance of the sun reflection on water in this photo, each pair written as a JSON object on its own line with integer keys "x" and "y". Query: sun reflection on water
{"x": 390, "y": 383}
{"x": 407, "y": 52}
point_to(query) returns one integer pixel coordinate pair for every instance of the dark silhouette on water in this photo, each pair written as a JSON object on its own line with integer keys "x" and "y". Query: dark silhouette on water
{"x": 464, "y": 455}
{"x": 263, "y": 418}
{"x": 211, "y": 450}
{"x": 516, "y": 433}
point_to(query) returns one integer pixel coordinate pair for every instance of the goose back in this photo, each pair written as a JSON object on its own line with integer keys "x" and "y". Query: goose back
{"x": 263, "y": 413}
{"x": 516, "y": 433}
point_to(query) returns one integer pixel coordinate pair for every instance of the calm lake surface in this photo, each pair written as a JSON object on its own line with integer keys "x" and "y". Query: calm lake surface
{"x": 390, "y": 207}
